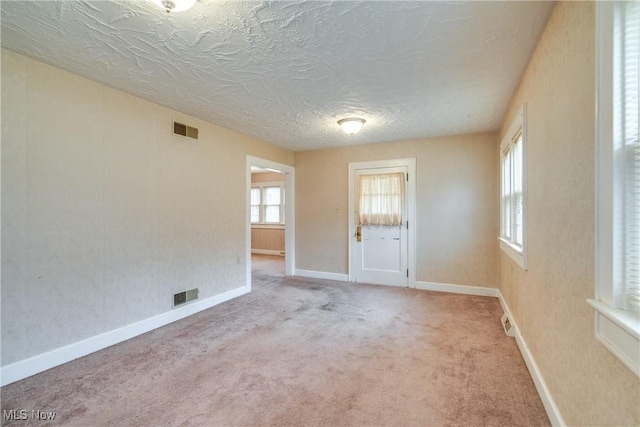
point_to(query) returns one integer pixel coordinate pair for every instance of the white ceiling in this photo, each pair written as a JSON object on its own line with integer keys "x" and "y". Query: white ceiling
{"x": 285, "y": 72}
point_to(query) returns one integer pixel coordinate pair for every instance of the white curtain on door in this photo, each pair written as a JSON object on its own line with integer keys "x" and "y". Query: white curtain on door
{"x": 380, "y": 199}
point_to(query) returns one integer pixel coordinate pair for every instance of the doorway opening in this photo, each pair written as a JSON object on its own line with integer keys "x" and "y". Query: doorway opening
{"x": 270, "y": 217}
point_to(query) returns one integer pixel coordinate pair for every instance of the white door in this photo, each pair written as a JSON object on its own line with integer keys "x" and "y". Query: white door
{"x": 381, "y": 250}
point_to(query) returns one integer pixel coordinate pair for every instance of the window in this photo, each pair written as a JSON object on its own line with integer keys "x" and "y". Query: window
{"x": 617, "y": 301}
{"x": 267, "y": 203}
{"x": 255, "y": 204}
{"x": 272, "y": 205}
{"x": 512, "y": 193}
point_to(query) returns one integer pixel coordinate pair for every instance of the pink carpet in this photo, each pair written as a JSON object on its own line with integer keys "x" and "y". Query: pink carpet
{"x": 301, "y": 352}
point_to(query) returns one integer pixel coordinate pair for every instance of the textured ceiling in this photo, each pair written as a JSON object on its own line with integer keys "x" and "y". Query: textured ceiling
{"x": 285, "y": 72}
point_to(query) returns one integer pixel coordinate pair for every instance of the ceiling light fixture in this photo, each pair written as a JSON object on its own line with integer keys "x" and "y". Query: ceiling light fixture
{"x": 351, "y": 125}
{"x": 175, "y": 5}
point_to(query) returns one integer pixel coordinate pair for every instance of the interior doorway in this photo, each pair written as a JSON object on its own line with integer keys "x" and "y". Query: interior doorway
{"x": 281, "y": 206}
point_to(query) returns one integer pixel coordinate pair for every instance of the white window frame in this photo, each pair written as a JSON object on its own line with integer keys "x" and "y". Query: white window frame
{"x": 262, "y": 186}
{"x": 507, "y": 243}
{"x": 259, "y": 205}
{"x": 616, "y": 328}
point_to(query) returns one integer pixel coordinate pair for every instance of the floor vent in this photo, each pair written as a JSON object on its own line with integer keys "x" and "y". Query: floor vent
{"x": 184, "y": 130}
{"x": 508, "y": 327}
{"x": 184, "y": 297}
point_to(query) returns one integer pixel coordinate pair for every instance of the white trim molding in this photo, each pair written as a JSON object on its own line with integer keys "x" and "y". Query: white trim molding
{"x": 322, "y": 275}
{"x": 42, "y": 362}
{"x": 618, "y": 330}
{"x": 513, "y": 252}
{"x": 555, "y": 417}
{"x": 267, "y": 226}
{"x": 267, "y": 252}
{"x": 458, "y": 289}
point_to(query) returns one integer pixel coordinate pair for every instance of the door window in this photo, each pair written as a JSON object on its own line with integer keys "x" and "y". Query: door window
{"x": 380, "y": 199}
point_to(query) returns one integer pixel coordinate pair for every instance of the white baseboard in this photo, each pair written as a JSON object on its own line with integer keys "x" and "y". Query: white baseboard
{"x": 458, "y": 289}
{"x": 33, "y": 365}
{"x": 555, "y": 417}
{"x": 321, "y": 275}
{"x": 267, "y": 252}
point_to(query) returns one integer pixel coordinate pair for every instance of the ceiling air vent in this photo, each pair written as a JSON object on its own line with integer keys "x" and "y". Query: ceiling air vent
{"x": 184, "y": 297}
{"x": 184, "y": 130}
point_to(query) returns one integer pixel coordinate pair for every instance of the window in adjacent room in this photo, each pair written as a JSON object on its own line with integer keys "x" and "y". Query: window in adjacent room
{"x": 513, "y": 191}
{"x": 617, "y": 301}
{"x": 267, "y": 203}
{"x": 272, "y": 205}
{"x": 255, "y": 205}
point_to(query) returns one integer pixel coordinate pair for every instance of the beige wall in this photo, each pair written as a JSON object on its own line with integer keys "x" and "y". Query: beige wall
{"x": 105, "y": 213}
{"x": 269, "y": 239}
{"x": 589, "y": 385}
{"x": 267, "y": 177}
{"x": 457, "y": 206}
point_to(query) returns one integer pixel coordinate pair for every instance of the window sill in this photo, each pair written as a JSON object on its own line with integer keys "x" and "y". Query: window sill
{"x": 515, "y": 254}
{"x": 269, "y": 226}
{"x": 619, "y": 331}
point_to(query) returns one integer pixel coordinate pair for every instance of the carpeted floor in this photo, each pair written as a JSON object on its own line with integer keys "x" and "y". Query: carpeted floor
{"x": 301, "y": 352}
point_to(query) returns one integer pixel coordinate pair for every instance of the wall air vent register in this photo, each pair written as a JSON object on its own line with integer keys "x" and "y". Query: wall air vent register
{"x": 184, "y": 130}
{"x": 185, "y": 297}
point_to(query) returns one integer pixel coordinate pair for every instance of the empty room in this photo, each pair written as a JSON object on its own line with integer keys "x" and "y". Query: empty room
{"x": 320, "y": 213}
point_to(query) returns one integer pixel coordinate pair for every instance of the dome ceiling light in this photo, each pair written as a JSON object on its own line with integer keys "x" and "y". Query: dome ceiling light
{"x": 175, "y": 5}
{"x": 351, "y": 125}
